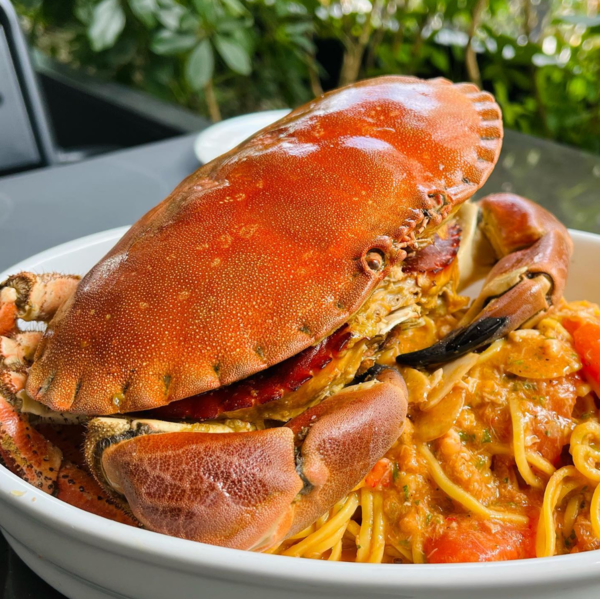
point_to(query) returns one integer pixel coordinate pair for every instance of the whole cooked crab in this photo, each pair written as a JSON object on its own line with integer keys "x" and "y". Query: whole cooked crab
{"x": 221, "y": 359}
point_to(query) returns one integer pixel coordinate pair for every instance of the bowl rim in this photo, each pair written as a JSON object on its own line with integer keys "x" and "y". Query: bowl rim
{"x": 273, "y": 570}
{"x": 207, "y": 139}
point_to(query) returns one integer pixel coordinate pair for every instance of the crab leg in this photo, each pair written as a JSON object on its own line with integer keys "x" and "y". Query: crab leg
{"x": 18, "y": 349}
{"x": 33, "y": 297}
{"x": 249, "y": 490}
{"x": 533, "y": 250}
{"x": 29, "y": 454}
{"x": 23, "y": 450}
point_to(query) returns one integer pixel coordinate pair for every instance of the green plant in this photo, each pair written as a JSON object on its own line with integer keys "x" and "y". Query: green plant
{"x": 199, "y": 54}
{"x": 541, "y": 58}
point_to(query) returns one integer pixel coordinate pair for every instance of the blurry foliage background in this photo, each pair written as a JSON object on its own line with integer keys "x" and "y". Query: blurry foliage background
{"x": 541, "y": 58}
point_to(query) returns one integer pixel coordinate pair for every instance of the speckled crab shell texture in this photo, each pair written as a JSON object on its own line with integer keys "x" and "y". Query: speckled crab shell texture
{"x": 262, "y": 252}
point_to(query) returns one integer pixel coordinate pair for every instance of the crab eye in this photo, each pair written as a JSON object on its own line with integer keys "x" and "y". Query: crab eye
{"x": 375, "y": 260}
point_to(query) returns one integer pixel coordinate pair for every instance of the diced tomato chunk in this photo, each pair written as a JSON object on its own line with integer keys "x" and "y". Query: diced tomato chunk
{"x": 586, "y": 338}
{"x": 381, "y": 474}
{"x": 466, "y": 539}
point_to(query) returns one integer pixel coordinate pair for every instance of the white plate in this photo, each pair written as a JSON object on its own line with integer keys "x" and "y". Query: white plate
{"x": 85, "y": 556}
{"x": 224, "y": 136}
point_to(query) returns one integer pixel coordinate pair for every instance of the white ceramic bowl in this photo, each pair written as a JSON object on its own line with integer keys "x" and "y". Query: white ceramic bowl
{"x": 224, "y": 136}
{"x": 85, "y": 556}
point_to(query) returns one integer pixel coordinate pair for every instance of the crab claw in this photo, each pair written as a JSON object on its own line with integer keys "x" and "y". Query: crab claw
{"x": 248, "y": 490}
{"x": 533, "y": 250}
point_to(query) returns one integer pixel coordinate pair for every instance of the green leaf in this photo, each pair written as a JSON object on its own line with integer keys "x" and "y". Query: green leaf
{"x": 145, "y": 11}
{"x": 578, "y": 89}
{"x": 234, "y": 54}
{"x": 122, "y": 52}
{"x": 84, "y": 11}
{"x": 305, "y": 44}
{"x": 235, "y": 7}
{"x": 231, "y": 25}
{"x": 108, "y": 21}
{"x": 208, "y": 10}
{"x": 200, "y": 65}
{"x": 440, "y": 61}
{"x": 28, "y": 4}
{"x": 169, "y": 43}
{"x": 189, "y": 23}
{"x": 303, "y": 28}
{"x": 169, "y": 14}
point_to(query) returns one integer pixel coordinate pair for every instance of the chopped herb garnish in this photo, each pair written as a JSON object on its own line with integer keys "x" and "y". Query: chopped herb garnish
{"x": 480, "y": 462}
{"x": 547, "y": 432}
{"x": 428, "y": 518}
{"x": 486, "y": 437}
{"x": 466, "y": 437}
{"x": 405, "y": 489}
{"x": 571, "y": 540}
{"x": 395, "y": 471}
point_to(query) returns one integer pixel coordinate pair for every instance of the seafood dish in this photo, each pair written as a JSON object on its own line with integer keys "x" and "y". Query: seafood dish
{"x": 281, "y": 357}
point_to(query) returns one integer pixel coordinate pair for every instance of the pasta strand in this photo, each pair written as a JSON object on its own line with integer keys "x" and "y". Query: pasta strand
{"x": 364, "y": 538}
{"x": 313, "y": 540}
{"x": 461, "y": 496}
{"x": 546, "y": 532}
{"x": 519, "y": 445}
{"x": 378, "y": 537}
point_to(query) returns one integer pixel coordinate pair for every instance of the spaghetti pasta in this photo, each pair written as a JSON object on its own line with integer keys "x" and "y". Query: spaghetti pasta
{"x": 518, "y": 426}
{"x": 418, "y": 557}
{"x": 556, "y": 490}
{"x": 534, "y": 458}
{"x": 585, "y": 456}
{"x": 460, "y": 495}
{"x": 363, "y": 541}
{"x": 378, "y": 536}
{"x": 570, "y": 515}
{"x": 595, "y": 512}
{"x": 486, "y": 485}
{"x": 314, "y": 540}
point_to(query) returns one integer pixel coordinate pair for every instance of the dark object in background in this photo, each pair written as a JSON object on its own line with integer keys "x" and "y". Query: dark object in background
{"x": 76, "y": 116}
{"x": 87, "y": 111}
{"x": 25, "y": 137}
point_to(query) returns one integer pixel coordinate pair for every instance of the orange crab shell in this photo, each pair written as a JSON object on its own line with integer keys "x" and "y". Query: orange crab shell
{"x": 263, "y": 251}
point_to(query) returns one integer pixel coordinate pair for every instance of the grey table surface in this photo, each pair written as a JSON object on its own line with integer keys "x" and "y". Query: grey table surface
{"x": 44, "y": 208}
